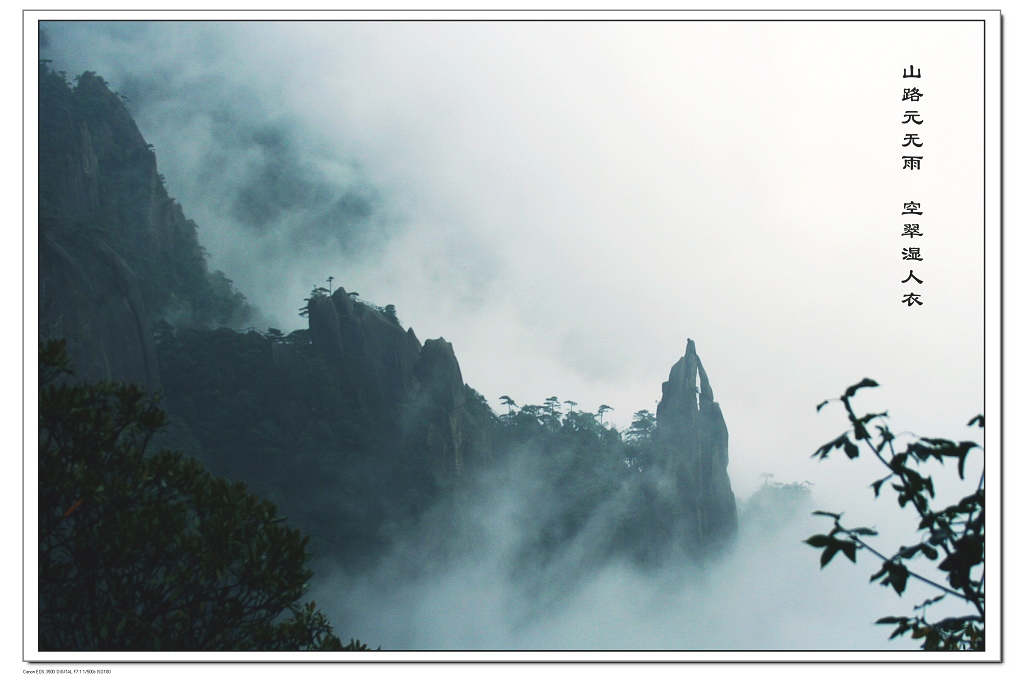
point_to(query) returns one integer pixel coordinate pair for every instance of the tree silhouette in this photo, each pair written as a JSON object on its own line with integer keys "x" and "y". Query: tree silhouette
{"x": 642, "y": 428}
{"x": 141, "y": 551}
{"x": 955, "y": 534}
{"x": 551, "y": 411}
{"x": 315, "y": 293}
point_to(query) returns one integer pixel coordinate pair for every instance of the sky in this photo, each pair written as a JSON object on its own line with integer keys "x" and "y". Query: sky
{"x": 568, "y": 203}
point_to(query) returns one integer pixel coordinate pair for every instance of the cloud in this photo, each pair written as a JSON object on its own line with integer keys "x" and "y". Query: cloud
{"x": 452, "y": 584}
{"x": 275, "y": 201}
{"x": 567, "y": 203}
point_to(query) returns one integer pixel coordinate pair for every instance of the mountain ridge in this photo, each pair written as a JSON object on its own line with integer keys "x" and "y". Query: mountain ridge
{"x": 352, "y": 425}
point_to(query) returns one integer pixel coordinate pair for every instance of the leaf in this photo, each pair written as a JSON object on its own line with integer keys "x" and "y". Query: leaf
{"x": 863, "y": 383}
{"x": 821, "y": 405}
{"x": 818, "y": 540}
{"x": 825, "y": 513}
{"x": 979, "y": 419}
{"x": 909, "y": 552}
{"x": 849, "y": 549}
{"x": 885, "y": 433}
{"x": 851, "y": 449}
{"x": 929, "y": 602}
{"x": 904, "y": 626}
{"x": 877, "y": 485}
{"x": 898, "y": 575}
{"x": 863, "y": 531}
{"x": 823, "y": 451}
{"x": 962, "y": 450}
{"x": 827, "y": 555}
{"x": 929, "y": 485}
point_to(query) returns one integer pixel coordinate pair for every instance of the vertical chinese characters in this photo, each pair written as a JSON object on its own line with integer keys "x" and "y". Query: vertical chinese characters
{"x": 912, "y": 142}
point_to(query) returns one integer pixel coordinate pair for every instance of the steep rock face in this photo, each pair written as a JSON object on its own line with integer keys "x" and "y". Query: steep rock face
{"x": 440, "y": 407}
{"x": 89, "y": 296}
{"x": 691, "y": 446}
{"x": 417, "y": 390}
{"x": 96, "y": 169}
{"x": 115, "y": 250}
{"x": 439, "y": 422}
{"x": 373, "y": 357}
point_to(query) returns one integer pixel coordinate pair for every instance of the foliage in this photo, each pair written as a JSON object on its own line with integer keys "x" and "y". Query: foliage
{"x": 954, "y": 536}
{"x": 774, "y": 504}
{"x": 642, "y": 427}
{"x": 142, "y": 551}
{"x": 639, "y": 439}
{"x": 580, "y": 464}
{"x": 316, "y": 293}
{"x": 391, "y": 313}
{"x": 273, "y": 410}
{"x": 509, "y": 403}
{"x": 268, "y": 410}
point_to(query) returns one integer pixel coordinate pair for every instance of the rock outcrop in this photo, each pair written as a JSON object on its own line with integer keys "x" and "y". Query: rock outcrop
{"x": 416, "y": 391}
{"x": 115, "y": 251}
{"x": 96, "y": 170}
{"x": 691, "y": 447}
{"x": 372, "y": 356}
{"x": 439, "y": 422}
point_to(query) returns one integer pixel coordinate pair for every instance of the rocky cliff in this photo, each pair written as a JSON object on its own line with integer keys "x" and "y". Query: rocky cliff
{"x": 439, "y": 422}
{"x": 353, "y": 425}
{"x": 372, "y": 356}
{"x": 416, "y": 391}
{"x": 691, "y": 450}
{"x": 115, "y": 250}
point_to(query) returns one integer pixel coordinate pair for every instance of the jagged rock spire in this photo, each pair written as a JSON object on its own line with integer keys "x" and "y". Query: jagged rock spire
{"x": 691, "y": 444}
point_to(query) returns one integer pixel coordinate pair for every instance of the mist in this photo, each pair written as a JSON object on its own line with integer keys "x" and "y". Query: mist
{"x": 454, "y": 583}
{"x": 567, "y": 203}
